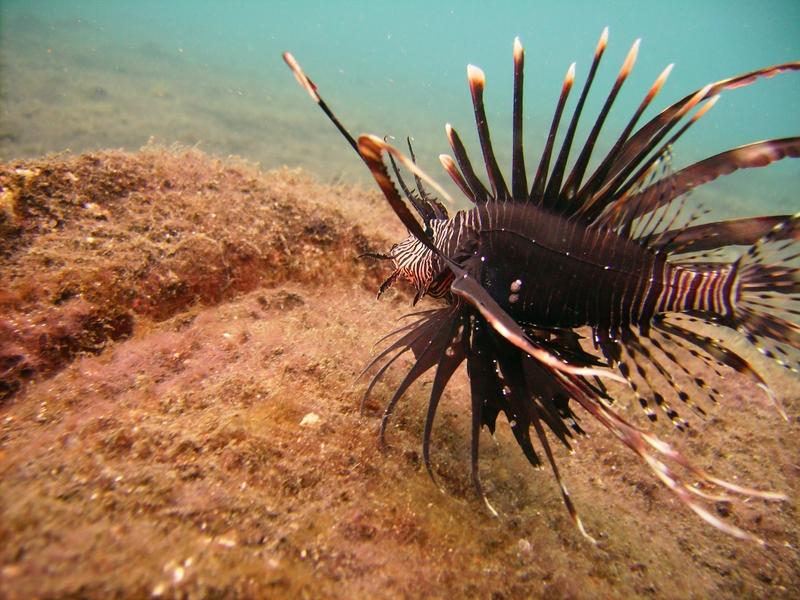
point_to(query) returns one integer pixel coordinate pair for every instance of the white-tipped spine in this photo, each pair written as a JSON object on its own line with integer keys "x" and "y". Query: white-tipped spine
{"x": 448, "y": 131}
{"x": 569, "y": 79}
{"x": 630, "y": 60}
{"x": 304, "y": 81}
{"x": 660, "y": 81}
{"x": 602, "y": 43}
{"x": 693, "y": 101}
{"x": 519, "y": 51}
{"x": 476, "y": 76}
{"x": 370, "y": 143}
{"x": 706, "y": 107}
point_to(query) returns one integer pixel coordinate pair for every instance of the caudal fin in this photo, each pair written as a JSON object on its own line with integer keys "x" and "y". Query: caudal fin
{"x": 767, "y": 303}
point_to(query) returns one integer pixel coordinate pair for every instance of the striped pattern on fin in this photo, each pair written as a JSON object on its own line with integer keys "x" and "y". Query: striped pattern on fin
{"x": 758, "y": 154}
{"x": 632, "y": 175}
{"x": 595, "y": 196}
{"x": 553, "y": 190}
{"x": 655, "y": 452}
{"x": 477, "y": 83}
{"x": 768, "y": 305}
{"x": 715, "y": 348}
{"x": 666, "y": 118}
{"x": 587, "y": 209}
{"x": 576, "y": 176}
{"x": 710, "y": 236}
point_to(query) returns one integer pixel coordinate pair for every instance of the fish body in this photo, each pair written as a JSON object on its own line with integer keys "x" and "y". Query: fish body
{"x": 548, "y": 271}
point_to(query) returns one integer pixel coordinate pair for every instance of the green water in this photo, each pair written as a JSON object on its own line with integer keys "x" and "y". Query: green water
{"x": 84, "y": 75}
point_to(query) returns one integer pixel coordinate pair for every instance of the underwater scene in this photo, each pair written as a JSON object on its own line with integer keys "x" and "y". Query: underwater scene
{"x": 200, "y": 395}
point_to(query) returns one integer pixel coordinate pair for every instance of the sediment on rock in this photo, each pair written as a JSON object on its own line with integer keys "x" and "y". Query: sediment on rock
{"x": 92, "y": 246}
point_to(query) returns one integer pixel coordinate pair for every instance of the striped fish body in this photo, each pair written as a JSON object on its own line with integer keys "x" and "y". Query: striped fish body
{"x": 548, "y": 271}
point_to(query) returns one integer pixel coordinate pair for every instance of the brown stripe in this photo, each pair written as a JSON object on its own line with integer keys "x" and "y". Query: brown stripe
{"x": 674, "y": 288}
{"x": 703, "y": 293}
{"x": 726, "y": 291}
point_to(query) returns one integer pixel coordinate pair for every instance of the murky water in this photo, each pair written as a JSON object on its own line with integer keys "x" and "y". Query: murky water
{"x": 90, "y": 74}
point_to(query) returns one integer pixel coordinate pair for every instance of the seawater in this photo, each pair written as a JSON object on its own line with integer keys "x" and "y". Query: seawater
{"x": 84, "y": 75}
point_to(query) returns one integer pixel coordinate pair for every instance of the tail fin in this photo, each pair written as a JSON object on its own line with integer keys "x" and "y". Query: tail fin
{"x": 767, "y": 299}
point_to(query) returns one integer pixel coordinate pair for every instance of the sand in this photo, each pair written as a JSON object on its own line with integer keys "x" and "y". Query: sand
{"x": 180, "y": 338}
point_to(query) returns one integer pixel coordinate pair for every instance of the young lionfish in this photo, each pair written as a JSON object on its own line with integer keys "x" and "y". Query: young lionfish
{"x": 520, "y": 272}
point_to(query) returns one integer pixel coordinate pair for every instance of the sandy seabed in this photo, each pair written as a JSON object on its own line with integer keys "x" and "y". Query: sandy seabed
{"x": 179, "y": 343}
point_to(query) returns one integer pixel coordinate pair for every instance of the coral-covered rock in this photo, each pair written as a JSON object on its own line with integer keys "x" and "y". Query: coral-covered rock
{"x": 93, "y": 244}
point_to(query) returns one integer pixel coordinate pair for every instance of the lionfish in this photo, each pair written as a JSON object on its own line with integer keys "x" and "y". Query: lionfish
{"x": 615, "y": 251}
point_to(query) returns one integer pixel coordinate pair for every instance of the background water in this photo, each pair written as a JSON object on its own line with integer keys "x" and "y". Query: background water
{"x": 95, "y": 74}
